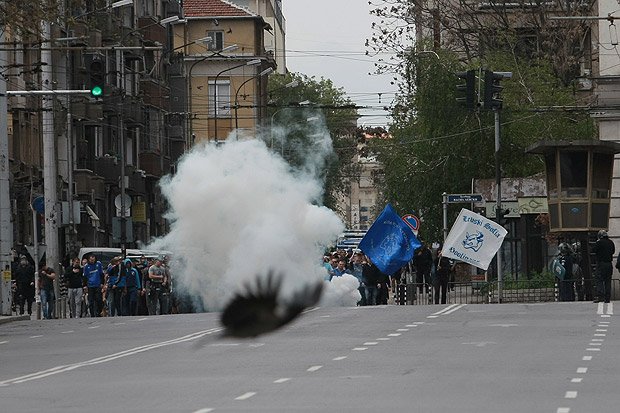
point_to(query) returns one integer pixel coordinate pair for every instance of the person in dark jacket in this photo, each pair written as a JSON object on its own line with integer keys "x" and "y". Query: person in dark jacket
{"x": 567, "y": 285}
{"x": 604, "y": 250}
{"x": 24, "y": 279}
{"x": 46, "y": 288}
{"x": 423, "y": 262}
{"x": 371, "y": 278}
{"x": 75, "y": 282}
{"x": 443, "y": 266}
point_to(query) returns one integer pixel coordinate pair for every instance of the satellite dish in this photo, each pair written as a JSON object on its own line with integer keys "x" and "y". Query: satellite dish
{"x": 118, "y": 203}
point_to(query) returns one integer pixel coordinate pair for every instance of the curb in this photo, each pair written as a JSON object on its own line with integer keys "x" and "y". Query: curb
{"x": 9, "y": 319}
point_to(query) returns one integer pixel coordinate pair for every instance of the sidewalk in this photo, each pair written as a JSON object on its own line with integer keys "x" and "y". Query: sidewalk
{"x": 7, "y": 319}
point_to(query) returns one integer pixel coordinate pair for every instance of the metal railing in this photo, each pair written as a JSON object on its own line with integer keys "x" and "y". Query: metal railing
{"x": 513, "y": 291}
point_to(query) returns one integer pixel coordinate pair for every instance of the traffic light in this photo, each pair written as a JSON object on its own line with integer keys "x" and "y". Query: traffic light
{"x": 469, "y": 89}
{"x": 500, "y": 214}
{"x": 492, "y": 90}
{"x": 96, "y": 76}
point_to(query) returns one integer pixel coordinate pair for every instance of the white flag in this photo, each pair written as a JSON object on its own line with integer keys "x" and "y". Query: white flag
{"x": 473, "y": 239}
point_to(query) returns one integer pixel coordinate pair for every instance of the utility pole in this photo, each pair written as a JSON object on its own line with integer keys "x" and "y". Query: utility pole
{"x": 6, "y": 225}
{"x": 50, "y": 169}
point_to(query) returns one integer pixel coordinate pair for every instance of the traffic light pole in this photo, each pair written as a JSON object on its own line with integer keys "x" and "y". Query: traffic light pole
{"x": 498, "y": 207}
{"x": 6, "y": 225}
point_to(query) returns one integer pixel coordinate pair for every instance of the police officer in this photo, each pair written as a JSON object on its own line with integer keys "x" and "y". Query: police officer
{"x": 603, "y": 249}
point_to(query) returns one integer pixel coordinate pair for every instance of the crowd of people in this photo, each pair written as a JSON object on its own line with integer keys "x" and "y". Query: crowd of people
{"x": 124, "y": 287}
{"x": 429, "y": 269}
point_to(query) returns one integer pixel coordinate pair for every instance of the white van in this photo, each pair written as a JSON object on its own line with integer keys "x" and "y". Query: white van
{"x": 105, "y": 254}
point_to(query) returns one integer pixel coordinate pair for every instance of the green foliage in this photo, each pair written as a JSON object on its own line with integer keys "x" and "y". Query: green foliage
{"x": 438, "y": 146}
{"x": 298, "y": 113}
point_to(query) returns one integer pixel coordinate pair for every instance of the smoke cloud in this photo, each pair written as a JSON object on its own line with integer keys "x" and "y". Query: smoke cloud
{"x": 238, "y": 210}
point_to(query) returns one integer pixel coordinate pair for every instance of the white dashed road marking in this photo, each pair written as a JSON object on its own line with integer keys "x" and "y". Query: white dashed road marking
{"x": 360, "y": 348}
{"x": 610, "y": 308}
{"x": 246, "y": 396}
{"x": 67, "y": 332}
{"x": 205, "y": 410}
{"x": 282, "y": 380}
{"x": 370, "y": 343}
{"x": 600, "y": 309}
{"x": 314, "y": 368}
{"x": 563, "y": 410}
{"x": 3, "y": 342}
{"x": 582, "y": 370}
{"x": 339, "y": 358}
{"x": 394, "y": 335}
{"x": 35, "y": 336}
{"x": 93, "y": 327}
{"x": 570, "y": 395}
{"x": 587, "y": 358}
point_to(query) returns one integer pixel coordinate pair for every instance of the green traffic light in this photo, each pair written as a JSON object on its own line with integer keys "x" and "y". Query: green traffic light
{"x": 96, "y": 91}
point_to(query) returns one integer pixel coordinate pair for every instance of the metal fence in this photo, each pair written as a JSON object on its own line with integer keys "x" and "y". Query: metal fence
{"x": 521, "y": 291}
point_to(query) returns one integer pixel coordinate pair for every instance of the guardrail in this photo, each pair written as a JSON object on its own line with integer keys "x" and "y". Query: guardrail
{"x": 513, "y": 291}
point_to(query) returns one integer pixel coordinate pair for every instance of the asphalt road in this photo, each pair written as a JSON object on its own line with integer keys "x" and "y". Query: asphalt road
{"x": 555, "y": 357}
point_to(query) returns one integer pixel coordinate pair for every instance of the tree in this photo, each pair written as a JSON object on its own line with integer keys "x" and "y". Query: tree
{"x": 301, "y": 111}
{"x": 438, "y": 146}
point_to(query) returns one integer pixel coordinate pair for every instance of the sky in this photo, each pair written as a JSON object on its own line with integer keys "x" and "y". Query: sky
{"x": 325, "y": 38}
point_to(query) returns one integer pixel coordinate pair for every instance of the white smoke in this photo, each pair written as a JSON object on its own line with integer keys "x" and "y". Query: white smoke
{"x": 237, "y": 210}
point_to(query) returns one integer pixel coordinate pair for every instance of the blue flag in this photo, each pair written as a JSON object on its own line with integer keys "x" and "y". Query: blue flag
{"x": 390, "y": 242}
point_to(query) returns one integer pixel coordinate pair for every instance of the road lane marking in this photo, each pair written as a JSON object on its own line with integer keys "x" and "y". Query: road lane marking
{"x": 402, "y": 329}
{"x": 360, "y": 348}
{"x": 600, "y": 309}
{"x": 598, "y": 339}
{"x": 339, "y": 358}
{"x": 593, "y": 349}
{"x": 581, "y": 370}
{"x": 314, "y": 368}
{"x": 610, "y": 308}
{"x": 563, "y": 410}
{"x": 411, "y": 325}
{"x": 458, "y": 307}
{"x": 601, "y": 330}
{"x": 586, "y": 358}
{"x": 570, "y": 395}
{"x": 311, "y": 309}
{"x": 142, "y": 319}
{"x": 282, "y": 380}
{"x": 504, "y": 325}
{"x": 606, "y": 315}
{"x": 104, "y": 359}
{"x": 576, "y": 380}
{"x": 205, "y": 410}
{"x": 432, "y": 316}
{"x": 383, "y": 339}
{"x": 3, "y": 342}
{"x": 444, "y": 310}
{"x": 370, "y": 343}
{"x": 246, "y": 396}
{"x": 35, "y": 336}
{"x": 595, "y": 344}
{"x": 394, "y": 335}
{"x": 604, "y": 322}
{"x": 67, "y": 332}
{"x": 600, "y": 335}
{"x": 93, "y": 327}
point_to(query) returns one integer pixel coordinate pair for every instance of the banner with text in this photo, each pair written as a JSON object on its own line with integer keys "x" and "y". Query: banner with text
{"x": 474, "y": 239}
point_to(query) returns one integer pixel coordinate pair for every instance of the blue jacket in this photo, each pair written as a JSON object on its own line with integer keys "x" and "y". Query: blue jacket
{"x": 93, "y": 274}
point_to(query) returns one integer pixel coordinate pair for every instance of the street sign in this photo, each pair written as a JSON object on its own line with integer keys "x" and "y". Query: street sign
{"x": 413, "y": 222}
{"x": 455, "y": 198}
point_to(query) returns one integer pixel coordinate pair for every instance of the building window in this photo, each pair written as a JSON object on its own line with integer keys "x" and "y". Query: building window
{"x": 217, "y": 40}
{"x": 220, "y": 92}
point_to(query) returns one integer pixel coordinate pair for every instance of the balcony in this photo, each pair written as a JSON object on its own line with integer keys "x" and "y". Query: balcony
{"x": 152, "y": 32}
{"x": 132, "y": 112}
{"x": 87, "y": 184}
{"x": 151, "y": 163}
{"x": 108, "y": 168}
{"x": 155, "y": 94}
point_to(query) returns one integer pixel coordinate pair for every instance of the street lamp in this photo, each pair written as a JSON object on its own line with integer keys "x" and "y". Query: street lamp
{"x": 261, "y": 74}
{"x": 253, "y": 62}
